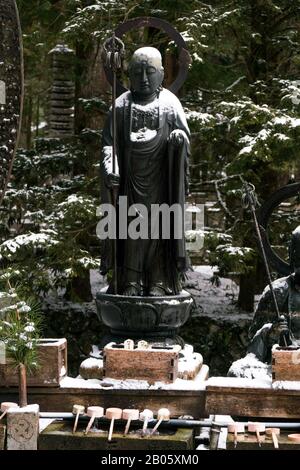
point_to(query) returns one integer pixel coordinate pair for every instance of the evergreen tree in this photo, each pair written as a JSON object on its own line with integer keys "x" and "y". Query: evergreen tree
{"x": 247, "y": 121}
{"x": 242, "y": 100}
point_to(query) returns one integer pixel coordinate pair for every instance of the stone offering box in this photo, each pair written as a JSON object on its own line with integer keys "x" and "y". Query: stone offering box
{"x": 285, "y": 363}
{"x": 152, "y": 364}
{"x": 52, "y": 366}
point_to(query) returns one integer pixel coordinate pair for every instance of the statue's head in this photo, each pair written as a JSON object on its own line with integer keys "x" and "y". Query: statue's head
{"x": 146, "y": 71}
{"x": 295, "y": 251}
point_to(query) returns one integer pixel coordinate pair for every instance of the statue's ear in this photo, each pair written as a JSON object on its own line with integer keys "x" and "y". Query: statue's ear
{"x": 162, "y": 73}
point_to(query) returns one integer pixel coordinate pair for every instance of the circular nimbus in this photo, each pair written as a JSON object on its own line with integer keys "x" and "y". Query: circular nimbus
{"x": 264, "y": 215}
{"x": 173, "y": 34}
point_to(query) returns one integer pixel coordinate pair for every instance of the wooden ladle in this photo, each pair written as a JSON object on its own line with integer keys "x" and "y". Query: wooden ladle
{"x": 146, "y": 416}
{"x": 7, "y": 405}
{"x": 235, "y": 428}
{"x": 162, "y": 415}
{"x": 77, "y": 411}
{"x": 257, "y": 428}
{"x": 112, "y": 414}
{"x": 130, "y": 415}
{"x": 273, "y": 432}
{"x": 93, "y": 412}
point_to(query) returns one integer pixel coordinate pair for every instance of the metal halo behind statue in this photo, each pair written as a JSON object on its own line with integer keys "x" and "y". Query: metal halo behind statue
{"x": 184, "y": 56}
{"x": 11, "y": 92}
{"x": 265, "y": 212}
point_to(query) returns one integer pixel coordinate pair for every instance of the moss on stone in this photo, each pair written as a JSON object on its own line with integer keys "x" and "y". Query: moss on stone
{"x": 59, "y": 436}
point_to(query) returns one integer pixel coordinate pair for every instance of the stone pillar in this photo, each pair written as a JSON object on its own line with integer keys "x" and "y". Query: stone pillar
{"x": 23, "y": 428}
{"x": 2, "y": 436}
{"x": 62, "y": 95}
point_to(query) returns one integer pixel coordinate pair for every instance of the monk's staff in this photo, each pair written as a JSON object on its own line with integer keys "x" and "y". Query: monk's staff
{"x": 249, "y": 199}
{"x": 114, "y": 49}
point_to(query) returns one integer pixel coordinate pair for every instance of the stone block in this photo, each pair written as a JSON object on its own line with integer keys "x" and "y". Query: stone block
{"x": 151, "y": 364}
{"x": 285, "y": 363}
{"x": 52, "y": 365}
{"x": 2, "y": 436}
{"x": 23, "y": 428}
{"x": 91, "y": 368}
{"x": 59, "y": 436}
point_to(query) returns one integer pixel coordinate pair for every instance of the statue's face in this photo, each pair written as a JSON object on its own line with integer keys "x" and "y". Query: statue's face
{"x": 295, "y": 251}
{"x": 296, "y": 262}
{"x": 146, "y": 72}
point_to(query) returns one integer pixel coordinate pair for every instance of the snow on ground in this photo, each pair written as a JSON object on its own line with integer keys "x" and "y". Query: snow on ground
{"x": 210, "y": 300}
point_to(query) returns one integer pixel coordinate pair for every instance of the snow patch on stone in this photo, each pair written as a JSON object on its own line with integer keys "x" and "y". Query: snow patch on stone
{"x": 92, "y": 362}
{"x": 233, "y": 382}
{"x": 286, "y": 385}
{"x": 108, "y": 383}
{"x": 96, "y": 352}
{"x": 249, "y": 367}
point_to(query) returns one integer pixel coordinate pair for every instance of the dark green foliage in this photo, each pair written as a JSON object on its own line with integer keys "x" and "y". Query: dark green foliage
{"x": 50, "y": 211}
{"x": 242, "y": 99}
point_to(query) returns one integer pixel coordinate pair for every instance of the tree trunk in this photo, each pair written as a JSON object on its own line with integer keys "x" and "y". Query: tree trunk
{"x": 90, "y": 83}
{"x": 246, "y": 293}
{"x": 261, "y": 278}
{"x": 29, "y": 121}
{"x": 22, "y": 386}
{"x": 80, "y": 289}
{"x": 37, "y": 116}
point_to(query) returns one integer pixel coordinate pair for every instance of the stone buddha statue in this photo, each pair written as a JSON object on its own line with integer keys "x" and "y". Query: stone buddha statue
{"x": 152, "y": 147}
{"x": 266, "y": 329}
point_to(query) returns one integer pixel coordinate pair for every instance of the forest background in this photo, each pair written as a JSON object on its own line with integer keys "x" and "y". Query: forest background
{"x": 242, "y": 100}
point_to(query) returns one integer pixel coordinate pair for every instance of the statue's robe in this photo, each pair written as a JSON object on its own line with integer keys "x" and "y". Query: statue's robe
{"x": 259, "y": 352}
{"x": 288, "y": 300}
{"x": 152, "y": 171}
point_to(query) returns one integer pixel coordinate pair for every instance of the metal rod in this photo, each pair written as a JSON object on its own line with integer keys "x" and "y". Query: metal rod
{"x": 114, "y": 49}
{"x": 251, "y": 202}
{"x": 114, "y": 194}
{"x": 114, "y": 97}
{"x": 180, "y": 423}
{"x": 114, "y": 131}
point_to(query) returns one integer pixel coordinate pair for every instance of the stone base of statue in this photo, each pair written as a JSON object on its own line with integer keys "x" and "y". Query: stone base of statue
{"x": 154, "y": 319}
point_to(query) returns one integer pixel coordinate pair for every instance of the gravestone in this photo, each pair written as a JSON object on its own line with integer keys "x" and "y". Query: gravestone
{"x": 62, "y": 97}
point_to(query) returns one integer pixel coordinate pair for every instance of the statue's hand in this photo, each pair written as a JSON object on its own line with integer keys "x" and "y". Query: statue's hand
{"x": 112, "y": 180}
{"x": 177, "y": 137}
{"x": 280, "y": 330}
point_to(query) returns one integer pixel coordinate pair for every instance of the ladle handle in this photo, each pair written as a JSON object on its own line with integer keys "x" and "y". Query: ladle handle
{"x": 111, "y": 428}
